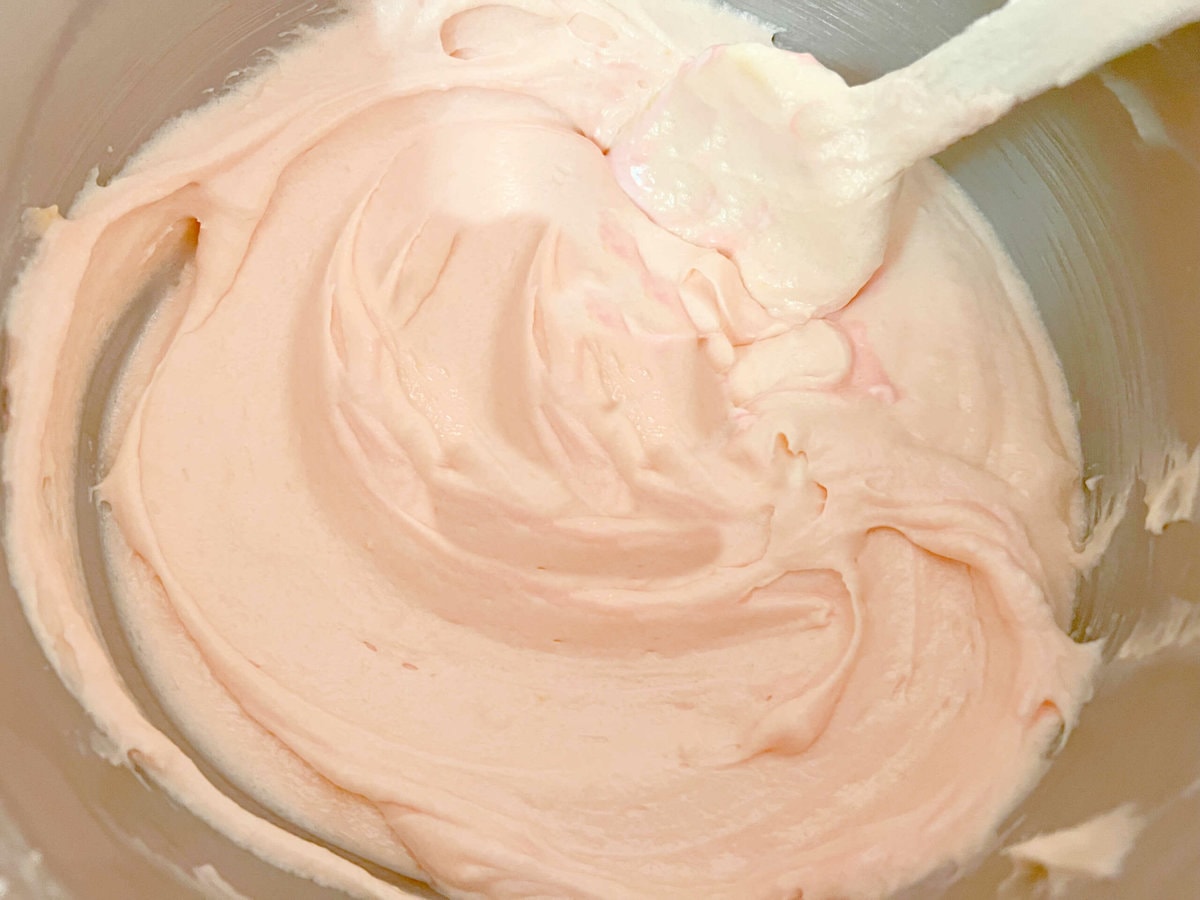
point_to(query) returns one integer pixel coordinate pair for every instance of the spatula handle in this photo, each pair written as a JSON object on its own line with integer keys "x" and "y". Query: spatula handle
{"x": 1013, "y": 54}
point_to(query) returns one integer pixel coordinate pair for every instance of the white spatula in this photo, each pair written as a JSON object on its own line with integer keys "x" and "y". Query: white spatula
{"x": 774, "y": 160}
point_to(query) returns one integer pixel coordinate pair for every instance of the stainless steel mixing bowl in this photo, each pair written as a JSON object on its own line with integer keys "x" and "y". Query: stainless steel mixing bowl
{"x": 1095, "y": 190}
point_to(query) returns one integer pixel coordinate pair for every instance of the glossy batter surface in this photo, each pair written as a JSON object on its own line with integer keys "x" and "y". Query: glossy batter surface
{"x": 479, "y": 527}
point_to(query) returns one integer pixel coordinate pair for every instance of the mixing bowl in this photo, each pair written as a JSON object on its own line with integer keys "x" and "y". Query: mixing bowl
{"x": 1094, "y": 190}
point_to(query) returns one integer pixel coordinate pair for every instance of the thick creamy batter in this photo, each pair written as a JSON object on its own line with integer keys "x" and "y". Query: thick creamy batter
{"x": 484, "y": 530}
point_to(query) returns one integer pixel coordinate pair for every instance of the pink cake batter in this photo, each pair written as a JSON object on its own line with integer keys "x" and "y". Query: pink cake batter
{"x": 485, "y": 530}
